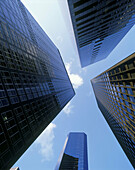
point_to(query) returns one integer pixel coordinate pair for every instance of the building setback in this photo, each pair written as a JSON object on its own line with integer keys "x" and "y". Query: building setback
{"x": 34, "y": 85}
{"x": 115, "y": 94}
{"x": 99, "y": 26}
{"x": 74, "y": 153}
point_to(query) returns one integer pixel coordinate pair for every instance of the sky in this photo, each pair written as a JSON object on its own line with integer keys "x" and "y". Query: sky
{"x": 81, "y": 114}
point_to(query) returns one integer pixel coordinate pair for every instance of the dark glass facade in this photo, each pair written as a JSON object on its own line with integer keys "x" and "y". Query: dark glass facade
{"x": 115, "y": 94}
{"x": 74, "y": 154}
{"x": 99, "y": 26}
{"x": 34, "y": 85}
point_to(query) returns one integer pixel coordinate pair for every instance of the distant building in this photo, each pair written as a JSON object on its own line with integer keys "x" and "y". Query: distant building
{"x": 34, "y": 85}
{"x": 115, "y": 94}
{"x": 99, "y": 26}
{"x": 74, "y": 154}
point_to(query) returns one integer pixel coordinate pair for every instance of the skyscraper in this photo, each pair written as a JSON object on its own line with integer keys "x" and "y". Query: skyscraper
{"x": 74, "y": 153}
{"x": 99, "y": 26}
{"x": 34, "y": 85}
{"x": 115, "y": 94}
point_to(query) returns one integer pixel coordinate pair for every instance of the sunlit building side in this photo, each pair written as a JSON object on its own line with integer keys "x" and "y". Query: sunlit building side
{"x": 115, "y": 94}
{"x": 17, "y": 168}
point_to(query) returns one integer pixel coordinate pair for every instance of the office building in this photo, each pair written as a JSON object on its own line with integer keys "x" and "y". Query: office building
{"x": 115, "y": 94}
{"x": 99, "y": 26}
{"x": 34, "y": 85}
{"x": 74, "y": 153}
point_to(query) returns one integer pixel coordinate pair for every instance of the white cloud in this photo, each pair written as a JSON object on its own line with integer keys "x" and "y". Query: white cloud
{"x": 45, "y": 140}
{"x": 76, "y": 80}
{"x": 68, "y": 108}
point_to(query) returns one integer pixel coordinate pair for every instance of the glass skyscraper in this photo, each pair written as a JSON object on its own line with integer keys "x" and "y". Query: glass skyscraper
{"x": 74, "y": 154}
{"x": 99, "y": 26}
{"x": 115, "y": 94}
{"x": 34, "y": 85}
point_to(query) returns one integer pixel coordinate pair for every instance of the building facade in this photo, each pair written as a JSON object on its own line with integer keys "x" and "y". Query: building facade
{"x": 115, "y": 94}
{"x": 99, "y": 26}
{"x": 34, "y": 85}
{"x": 74, "y": 153}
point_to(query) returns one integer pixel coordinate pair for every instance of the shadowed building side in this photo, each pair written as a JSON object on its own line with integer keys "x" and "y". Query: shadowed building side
{"x": 99, "y": 26}
{"x": 34, "y": 85}
{"x": 69, "y": 162}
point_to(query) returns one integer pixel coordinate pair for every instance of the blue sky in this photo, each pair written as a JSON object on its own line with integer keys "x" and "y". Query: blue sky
{"x": 81, "y": 113}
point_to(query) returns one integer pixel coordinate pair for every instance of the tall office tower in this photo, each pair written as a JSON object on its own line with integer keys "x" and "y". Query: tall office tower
{"x": 34, "y": 85}
{"x": 74, "y": 153}
{"x": 99, "y": 26}
{"x": 115, "y": 94}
